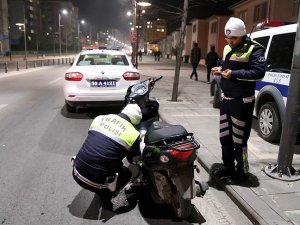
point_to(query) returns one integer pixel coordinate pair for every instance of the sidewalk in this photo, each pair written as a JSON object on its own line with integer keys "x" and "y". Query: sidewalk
{"x": 263, "y": 199}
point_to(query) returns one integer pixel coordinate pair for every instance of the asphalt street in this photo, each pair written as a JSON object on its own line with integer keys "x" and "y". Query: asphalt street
{"x": 38, "y": 137}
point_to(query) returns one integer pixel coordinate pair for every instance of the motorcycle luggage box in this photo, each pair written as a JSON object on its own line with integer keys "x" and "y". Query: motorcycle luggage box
{"x": 161, "y": 131}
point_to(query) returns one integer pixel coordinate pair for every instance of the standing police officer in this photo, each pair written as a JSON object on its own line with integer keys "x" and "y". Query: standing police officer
{"x": 243, "y": 64}
{"x": 98, "y": 165}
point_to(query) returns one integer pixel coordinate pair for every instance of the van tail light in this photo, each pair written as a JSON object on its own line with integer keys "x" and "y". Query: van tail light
{"x": 73, "y": 76}
{"x": 131, "y": 76}
{"x": 181, "y": 154}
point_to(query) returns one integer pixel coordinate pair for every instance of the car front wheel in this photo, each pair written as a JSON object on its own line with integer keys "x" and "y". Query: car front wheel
{"x": 269, "y": 122}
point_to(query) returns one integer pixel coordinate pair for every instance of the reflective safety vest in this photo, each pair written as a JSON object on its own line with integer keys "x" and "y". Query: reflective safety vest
{"x": 240, "y": 56}
{"x": 116, "y": 128}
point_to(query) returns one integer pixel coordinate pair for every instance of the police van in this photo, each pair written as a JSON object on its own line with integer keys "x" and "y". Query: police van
{"x": 271, "y": 92}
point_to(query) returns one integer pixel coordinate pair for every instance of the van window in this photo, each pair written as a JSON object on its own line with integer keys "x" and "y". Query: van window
{"x": 281, "y": 53}
{"x": 262, "y": 40}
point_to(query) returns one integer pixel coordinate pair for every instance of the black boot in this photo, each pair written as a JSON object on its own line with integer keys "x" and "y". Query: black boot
{"x": 222, "y": 172}
{"x": 106, "y": 196}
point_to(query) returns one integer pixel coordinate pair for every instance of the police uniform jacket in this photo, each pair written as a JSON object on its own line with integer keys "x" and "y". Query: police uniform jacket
{"x": 247, "y": 63}
{"x": 102, "y": 152}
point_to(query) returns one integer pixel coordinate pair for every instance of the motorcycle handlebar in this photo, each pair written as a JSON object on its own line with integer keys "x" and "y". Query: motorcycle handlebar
{"x": 154, "y": 80}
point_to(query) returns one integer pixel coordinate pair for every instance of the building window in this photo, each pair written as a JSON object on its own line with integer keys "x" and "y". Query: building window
{"x": 194, "y": 28}
{"x": 260, "y": 12}
{"x": 213, "y": 28}
{"x": 243, "y": 15}
{"x": 296, "y": 8}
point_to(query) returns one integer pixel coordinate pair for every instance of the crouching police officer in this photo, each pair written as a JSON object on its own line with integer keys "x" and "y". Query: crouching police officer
{"x": 98, "y": 165}
{"x": 243, "y": 64}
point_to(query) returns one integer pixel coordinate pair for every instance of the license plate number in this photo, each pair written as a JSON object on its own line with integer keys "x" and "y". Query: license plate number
{"x": 103, "y": 83}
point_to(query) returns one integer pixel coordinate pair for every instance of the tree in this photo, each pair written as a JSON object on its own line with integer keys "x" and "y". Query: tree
{"x": 179, "y": 52}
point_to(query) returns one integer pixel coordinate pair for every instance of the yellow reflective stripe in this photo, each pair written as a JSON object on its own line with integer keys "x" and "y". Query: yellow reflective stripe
{"x": 116, "y": 128}
{"x": 226, "y": 50}
{"x": 248, "y": 53}
{"x": 235, "y": 56}
{"x": 245, "y": 160}
{"x": 115, "y": 138}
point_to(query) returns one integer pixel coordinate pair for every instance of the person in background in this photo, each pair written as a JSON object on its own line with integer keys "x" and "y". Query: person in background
{"x": 195, "y": 59}
{"x": 140, "y": 54}
{"x": 98, "y": 166}
{"x": 243, "y": 63}
{"x": 211, "y": 61}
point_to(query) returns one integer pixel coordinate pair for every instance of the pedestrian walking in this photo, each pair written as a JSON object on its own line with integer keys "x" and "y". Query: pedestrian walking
{"x": 140, "y": 54}
{"x": 243, "y": 63}
{"x": 211, "y": 60}
{"x": 195, "y": 59}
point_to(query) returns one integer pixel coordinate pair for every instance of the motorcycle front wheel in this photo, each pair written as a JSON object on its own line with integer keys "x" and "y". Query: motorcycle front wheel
{"x": 180, "y": 206}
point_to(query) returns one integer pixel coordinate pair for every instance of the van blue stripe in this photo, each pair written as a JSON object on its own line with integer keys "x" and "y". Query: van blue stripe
{"x": 282, "y": 88}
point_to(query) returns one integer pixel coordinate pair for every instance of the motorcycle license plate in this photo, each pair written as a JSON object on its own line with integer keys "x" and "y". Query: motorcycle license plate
{"x": 103, "y": 83}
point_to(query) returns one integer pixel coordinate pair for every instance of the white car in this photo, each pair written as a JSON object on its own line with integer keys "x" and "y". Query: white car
{"x": 98, "y": 78}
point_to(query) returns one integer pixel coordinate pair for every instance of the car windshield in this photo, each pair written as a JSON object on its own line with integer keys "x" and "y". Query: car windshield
{"x": 102, "y": 59}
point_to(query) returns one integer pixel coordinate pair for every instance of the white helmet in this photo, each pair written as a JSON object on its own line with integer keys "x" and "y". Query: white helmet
{"x": 235, "y": 27}
{"x": 133, "y": 112}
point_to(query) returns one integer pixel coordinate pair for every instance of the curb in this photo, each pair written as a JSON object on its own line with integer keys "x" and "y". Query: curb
{"x": 235, "y": 196}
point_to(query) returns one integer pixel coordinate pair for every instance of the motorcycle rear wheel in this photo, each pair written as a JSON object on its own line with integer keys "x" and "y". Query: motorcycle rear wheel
{"x": 180, "y": 206}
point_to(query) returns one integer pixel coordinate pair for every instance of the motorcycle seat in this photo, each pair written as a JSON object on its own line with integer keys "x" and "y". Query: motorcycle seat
{"x": 162, "y": 131}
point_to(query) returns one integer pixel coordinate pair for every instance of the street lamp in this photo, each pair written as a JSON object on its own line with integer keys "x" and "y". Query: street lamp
{"x": 137, "y": 26}
{"x": 78, "y": 30}
{"x": 24, "y": 30}
{"x": 64, "y": 11}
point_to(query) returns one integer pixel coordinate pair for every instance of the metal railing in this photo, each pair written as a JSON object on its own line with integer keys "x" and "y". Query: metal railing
{"x": 16, "y": 65}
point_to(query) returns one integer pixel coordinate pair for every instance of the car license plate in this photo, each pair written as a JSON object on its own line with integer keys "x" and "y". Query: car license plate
{"x": 103, "y": 83}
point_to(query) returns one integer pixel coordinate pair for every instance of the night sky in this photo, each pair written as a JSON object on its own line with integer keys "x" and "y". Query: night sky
{"x": 103, "y": 14}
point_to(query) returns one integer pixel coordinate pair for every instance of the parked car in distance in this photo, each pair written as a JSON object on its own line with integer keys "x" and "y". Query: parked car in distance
{"x": 271, "y": 92}
{"x": 98, "y": 78}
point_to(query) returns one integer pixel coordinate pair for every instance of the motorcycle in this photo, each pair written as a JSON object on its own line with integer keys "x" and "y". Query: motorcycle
{"x": 168, "y": 155}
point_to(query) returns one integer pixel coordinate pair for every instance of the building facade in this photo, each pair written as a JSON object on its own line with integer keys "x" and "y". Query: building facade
{"x": 199, "y": 34}
{"x": 52, "y": 17}
{"x": 210, "y": 32}
{"x": 28, "y": 17}
{"x": 4, "y": 35}
{"x": 155, "y": 30}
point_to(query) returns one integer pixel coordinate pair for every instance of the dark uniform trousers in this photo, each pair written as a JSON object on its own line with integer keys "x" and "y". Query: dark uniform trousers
{"x": 235, "y": 127}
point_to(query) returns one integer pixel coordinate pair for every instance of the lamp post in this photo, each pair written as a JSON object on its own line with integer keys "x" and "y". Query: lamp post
{"x": 78, "y": 30}
{"x": 59, "y": 29}
{"x": 25, "y": 42}
{"x": 136, "y": 26}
